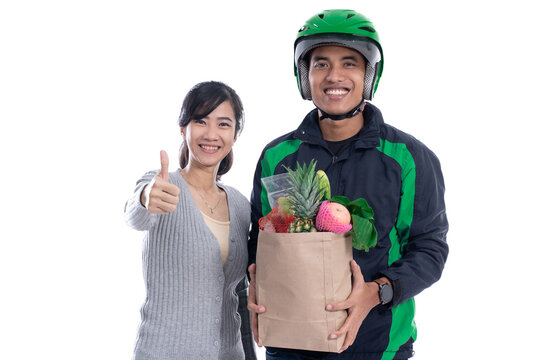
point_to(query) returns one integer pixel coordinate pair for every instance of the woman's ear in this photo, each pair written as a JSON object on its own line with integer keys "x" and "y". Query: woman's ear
{"x": 183, "y": 132}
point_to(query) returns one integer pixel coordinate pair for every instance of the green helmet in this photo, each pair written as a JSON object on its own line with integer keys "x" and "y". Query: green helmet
{"x": 342, "y": 28}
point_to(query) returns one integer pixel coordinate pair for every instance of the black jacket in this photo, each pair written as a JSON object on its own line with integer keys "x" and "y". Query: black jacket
{"x": 401, "y": 180}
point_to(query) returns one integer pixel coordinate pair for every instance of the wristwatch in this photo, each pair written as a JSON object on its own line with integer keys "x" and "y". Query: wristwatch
{"x": 386, "y": 293}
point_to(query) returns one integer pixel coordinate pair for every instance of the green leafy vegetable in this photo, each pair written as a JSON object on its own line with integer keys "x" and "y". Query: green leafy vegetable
{"x": 364, "y": 234}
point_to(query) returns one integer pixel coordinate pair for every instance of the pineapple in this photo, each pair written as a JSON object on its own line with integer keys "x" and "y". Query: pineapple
{"x": 304, "y": 197}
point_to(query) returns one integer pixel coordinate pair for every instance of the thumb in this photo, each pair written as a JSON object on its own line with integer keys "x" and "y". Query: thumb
{"x": 358, "y": 277}
{"x": 164, "y": 173}
{"x": 252, "y": 270}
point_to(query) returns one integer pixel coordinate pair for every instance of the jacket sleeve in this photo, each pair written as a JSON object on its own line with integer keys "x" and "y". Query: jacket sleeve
{"x": 256, "y": 213}
{"x": 423, "y": 247}
{"x": 135, "y": 214}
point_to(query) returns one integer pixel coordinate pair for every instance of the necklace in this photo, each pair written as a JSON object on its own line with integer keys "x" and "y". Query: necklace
{"x": 202, "y": 197}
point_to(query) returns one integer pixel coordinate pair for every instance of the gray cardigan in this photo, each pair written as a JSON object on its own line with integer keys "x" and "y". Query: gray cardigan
{"x": 191, "y": 305}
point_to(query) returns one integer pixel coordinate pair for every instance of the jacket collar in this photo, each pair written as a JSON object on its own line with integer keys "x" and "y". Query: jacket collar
{"x": 368, "y": 137}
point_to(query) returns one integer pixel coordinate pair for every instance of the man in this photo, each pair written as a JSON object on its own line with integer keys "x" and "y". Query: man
{"x": 338, "y": 64}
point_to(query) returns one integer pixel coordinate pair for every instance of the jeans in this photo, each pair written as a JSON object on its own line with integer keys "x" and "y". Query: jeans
{"x": 271, "y": 355}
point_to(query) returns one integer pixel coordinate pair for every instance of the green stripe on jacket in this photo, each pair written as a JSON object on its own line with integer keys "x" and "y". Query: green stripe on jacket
{"x": 403, "y": 325}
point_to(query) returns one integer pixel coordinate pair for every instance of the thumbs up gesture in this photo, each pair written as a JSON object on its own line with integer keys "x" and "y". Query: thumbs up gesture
{"x": 160, "y": 197}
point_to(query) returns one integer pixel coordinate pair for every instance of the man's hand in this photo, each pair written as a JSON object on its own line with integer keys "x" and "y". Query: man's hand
{"x": 253, "y": 308}
{"x": 364, "y": 297}
{"x": 160, "y": 197}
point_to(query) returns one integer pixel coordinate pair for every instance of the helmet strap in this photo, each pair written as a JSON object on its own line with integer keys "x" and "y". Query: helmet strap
{"x": 355, "y": 111}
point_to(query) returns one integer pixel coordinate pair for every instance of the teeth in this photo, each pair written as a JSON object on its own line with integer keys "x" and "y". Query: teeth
{"x": 211, "y": 148}
{"x": 336, "y": 91}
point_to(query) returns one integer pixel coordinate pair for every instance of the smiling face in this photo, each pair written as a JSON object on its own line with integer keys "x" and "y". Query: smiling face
{"x": 211, "y": 138}
{"x": 336, "y": 78}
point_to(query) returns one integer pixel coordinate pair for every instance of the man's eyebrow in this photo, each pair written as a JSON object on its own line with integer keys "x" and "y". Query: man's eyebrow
{"x": 348, "y": 57}
{"x": 319, "y": 58}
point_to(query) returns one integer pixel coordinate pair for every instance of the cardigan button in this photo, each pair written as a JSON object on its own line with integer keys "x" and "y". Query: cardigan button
{"x": 216, "y": 343}
{"x": 218, "y": 298}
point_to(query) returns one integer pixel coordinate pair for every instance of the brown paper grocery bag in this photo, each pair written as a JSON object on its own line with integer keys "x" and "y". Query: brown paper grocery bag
{"x": 297, "y": 276}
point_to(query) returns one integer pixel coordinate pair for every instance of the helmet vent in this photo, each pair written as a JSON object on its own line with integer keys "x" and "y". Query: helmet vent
{"x": 371, "y": 30}
{"x": 350, "y": 16}
{"x": 321, "y": 16}
{"x": 303, "y": 28}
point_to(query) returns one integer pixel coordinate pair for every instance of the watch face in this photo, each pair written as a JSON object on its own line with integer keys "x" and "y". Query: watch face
{"x": 386, "y": 294}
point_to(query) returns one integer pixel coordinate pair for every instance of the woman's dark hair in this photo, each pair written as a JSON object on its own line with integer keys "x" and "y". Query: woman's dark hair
{"x": 199, "y": 102}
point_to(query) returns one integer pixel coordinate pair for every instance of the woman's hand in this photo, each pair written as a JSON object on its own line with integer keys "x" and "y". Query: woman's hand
{"x": 253, "y": 308}
{"x": 159, "y": 196}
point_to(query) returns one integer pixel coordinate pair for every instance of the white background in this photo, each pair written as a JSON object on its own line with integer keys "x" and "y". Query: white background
{"x": 90, "y": 92}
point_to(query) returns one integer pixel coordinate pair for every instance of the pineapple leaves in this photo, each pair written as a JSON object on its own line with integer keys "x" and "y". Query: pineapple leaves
{"x": 364, "y": 234}
{"x": 306, "y": 194}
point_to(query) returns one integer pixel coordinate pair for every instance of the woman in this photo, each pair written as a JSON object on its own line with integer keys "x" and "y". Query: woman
{"x": 195, "y": 250}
